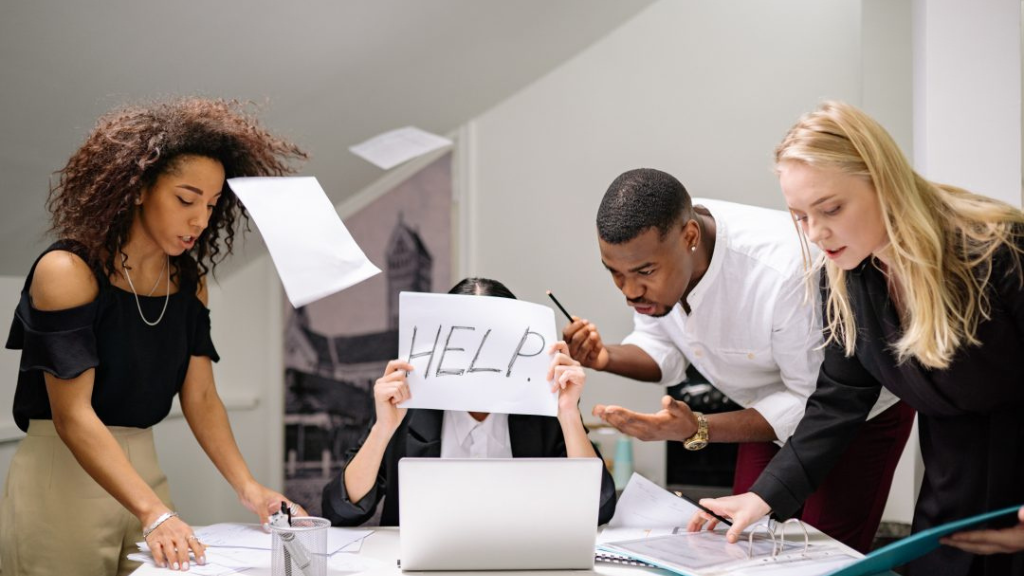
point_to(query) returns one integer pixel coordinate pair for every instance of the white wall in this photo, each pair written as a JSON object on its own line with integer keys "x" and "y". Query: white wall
{"x": 967, "y": 94}
{"x": 701, "y": 89}
{"x": 10, "y": 293}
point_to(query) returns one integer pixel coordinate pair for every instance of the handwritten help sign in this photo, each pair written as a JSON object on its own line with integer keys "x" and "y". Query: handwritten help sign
{"x": 477, "y": 353}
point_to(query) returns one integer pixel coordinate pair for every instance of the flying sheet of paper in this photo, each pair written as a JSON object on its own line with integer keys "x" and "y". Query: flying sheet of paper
{"x": 390, "y": 149}
{"x": 314, "y": 253}
{"x": 477, "y": 353}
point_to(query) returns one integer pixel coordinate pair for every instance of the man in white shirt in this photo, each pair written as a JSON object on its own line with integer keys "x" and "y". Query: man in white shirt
{"x": 723, "y": 286}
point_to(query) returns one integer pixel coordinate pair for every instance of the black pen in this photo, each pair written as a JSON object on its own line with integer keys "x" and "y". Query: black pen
{"x": 560, "y": 307}
{"x": 704, "y": 508}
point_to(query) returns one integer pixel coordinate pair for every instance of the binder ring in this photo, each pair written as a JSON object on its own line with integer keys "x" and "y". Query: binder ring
{"x": 782, "y": 536}
{"x": 750, "y": 540}
{"x": 778, "y": 545}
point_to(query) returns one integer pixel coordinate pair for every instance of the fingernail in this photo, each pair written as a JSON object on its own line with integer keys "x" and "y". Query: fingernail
{"x": 174, "y": 566}
{"x": 266, "y": 526}
{"x": 185, "y": 566}
{"x": 202, "y": 560}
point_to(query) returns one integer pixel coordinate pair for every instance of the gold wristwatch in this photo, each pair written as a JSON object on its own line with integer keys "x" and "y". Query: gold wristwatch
{"x": 700, "y": 437}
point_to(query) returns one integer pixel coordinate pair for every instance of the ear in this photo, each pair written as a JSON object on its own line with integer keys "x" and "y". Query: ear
{"x": 142, "y": 196}
{"x": 690, "y": 235}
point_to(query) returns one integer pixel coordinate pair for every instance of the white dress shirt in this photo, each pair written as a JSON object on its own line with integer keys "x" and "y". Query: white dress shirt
{"x": 752, "y": 331}
{"x": 463, "y": 437}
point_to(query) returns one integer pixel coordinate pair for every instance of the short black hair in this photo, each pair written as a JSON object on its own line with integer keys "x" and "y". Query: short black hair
{"x": 482, "y": 287}
{"x": 641, "y": 199}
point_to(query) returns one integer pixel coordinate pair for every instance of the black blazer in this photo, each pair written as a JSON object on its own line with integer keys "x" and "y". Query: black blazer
{"x": 970, "y": 416}
{"x": 419, "y": 436}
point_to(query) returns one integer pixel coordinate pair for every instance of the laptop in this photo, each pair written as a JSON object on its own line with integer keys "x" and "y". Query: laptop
{"x": 498, "y": 514}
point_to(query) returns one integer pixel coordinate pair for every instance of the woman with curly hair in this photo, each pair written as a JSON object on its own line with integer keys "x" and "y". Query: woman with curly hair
{"x": 113, "y": 323}
{"x": 923, "y": 293}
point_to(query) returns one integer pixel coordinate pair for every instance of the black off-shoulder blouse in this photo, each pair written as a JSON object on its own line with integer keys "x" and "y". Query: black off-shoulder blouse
{"x": 139, "y": 368}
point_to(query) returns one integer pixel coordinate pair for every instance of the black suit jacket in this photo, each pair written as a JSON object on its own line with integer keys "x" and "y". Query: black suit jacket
{"x": 970, "y": 416}
{"x": 419, "y": 436}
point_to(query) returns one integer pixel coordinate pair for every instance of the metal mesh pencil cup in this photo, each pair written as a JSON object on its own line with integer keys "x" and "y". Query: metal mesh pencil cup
{"x": 300, "y": 549}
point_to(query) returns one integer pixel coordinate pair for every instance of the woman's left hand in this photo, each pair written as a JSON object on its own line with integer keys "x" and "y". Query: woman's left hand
{"x": 263, "y": 502}
{"x": 1005, "y": 541}
{"x": 567, "y": 377}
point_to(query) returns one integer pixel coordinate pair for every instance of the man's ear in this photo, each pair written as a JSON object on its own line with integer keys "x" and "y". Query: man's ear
{"x": 689, "y": 234}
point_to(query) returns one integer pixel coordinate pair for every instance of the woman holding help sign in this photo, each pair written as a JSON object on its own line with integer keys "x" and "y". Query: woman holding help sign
{"x": 371, "y": 469}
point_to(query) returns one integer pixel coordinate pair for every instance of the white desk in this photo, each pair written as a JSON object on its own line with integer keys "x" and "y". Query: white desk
{"x": 383, "y": 546}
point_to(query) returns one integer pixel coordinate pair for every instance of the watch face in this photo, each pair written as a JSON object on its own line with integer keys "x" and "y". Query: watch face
{"x": 695, "y": 445}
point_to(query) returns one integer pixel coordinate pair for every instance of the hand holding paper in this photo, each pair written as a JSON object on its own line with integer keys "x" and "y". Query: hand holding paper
{"x": 567, "y": 379}
{"x": 477, "y": 353}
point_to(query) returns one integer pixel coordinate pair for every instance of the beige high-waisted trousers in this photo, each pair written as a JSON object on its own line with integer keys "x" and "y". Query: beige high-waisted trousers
{"x": 56, "y": 520}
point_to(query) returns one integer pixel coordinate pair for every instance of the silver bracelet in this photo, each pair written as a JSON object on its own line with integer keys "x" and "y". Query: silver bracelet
{"x": 156, "y": 523}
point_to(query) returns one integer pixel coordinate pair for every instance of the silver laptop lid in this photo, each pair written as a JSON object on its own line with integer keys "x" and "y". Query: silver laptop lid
{"x": 507, "y": 514}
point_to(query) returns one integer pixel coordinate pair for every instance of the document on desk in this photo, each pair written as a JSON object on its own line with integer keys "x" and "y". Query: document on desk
{"x": 646, "y": 505}
{"x": 710, "y": 554}
{"x": 234, "y": 535}
{"x": 649, "y": 525}
{"x": 211, "y": 568}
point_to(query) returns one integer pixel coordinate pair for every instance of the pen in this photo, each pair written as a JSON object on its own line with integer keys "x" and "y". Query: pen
{"x": 560, "y": 307}
{"x": 704, "y": 508}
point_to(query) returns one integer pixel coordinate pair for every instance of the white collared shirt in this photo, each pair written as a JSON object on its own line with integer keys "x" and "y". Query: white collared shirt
{"x": 463, "y": 437}
{"x": 751, "y": 331}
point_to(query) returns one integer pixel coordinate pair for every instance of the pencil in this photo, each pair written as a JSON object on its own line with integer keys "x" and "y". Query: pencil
{"x": 560, "y": 307}
{"x": 702, "y": 507}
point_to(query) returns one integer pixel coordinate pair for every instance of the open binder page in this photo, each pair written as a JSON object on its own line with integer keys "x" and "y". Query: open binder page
{"x": 646, "y": 505}
{"x": 710, "y": 554}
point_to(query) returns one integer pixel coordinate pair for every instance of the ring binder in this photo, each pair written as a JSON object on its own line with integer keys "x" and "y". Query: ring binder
{"x": 778, "y": 545}
{"x": 708, "y": 554}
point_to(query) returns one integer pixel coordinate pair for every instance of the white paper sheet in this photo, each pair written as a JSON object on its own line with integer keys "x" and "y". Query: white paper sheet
{"x": 701, "y": 550}
{"x": 392, "y": 148}
{"x": 223, "y": 561}
{"x": 342, "y": 562}
{"x": 233, "y": 535}
{"x": 644, "y": 504}
{"x": 314, "y": 253}
{"x": 477, "y": 353}
{"x": 211, "y": 568}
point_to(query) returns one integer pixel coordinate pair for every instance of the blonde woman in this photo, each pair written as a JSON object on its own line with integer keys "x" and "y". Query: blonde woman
{"x": 923, "y": 293}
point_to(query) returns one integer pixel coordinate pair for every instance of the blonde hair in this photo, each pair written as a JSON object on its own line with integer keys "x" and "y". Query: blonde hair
{"x": 941, "y": 238}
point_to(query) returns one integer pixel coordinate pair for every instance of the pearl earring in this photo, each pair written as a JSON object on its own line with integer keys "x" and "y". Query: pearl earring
{"x": 138, "y": 201}
{"x": 693, "y": 248}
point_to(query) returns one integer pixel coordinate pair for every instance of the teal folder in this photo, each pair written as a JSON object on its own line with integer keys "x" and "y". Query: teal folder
{"x": 916, "y": 545}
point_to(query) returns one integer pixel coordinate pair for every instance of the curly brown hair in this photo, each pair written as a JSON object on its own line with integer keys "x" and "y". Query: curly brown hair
{"x": 92, "y": 201}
